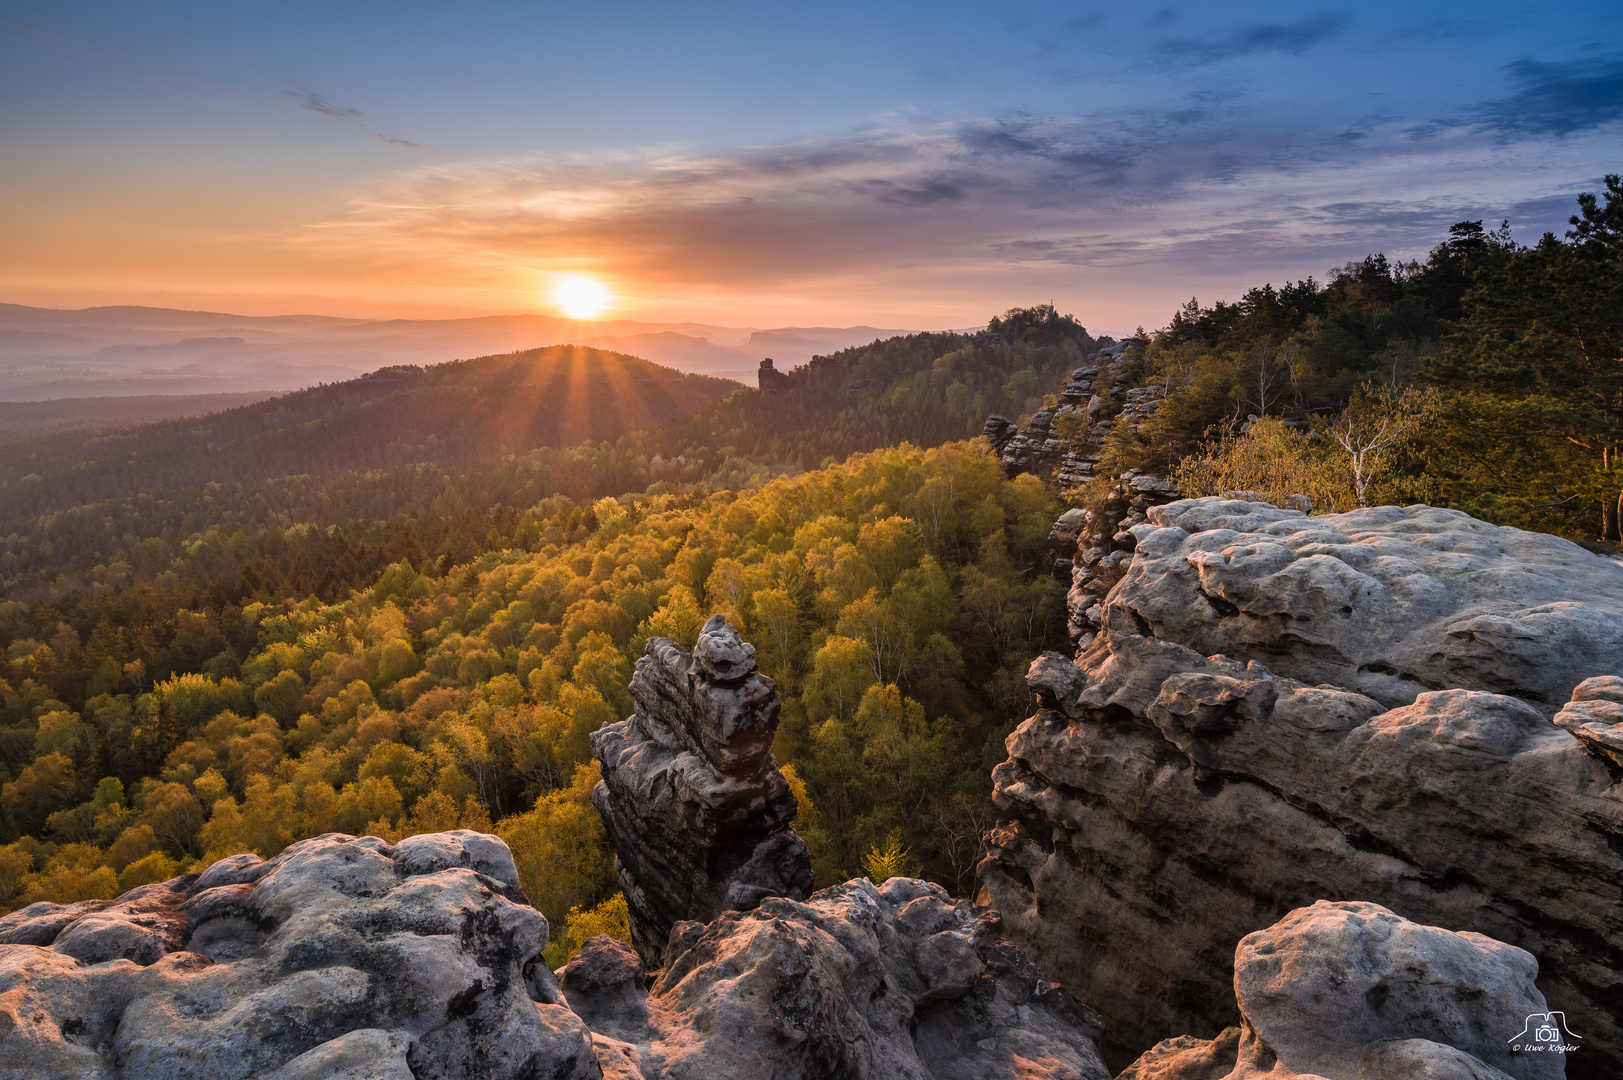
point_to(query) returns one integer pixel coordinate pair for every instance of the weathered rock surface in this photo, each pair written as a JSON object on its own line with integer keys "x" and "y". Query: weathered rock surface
{"x": 1103, "y": 546}
{"x": 858, "y": 982}
{"x": 1389, "y": 601}
{"x": 691, "y": 796}
{"x": 1350, "y": 991}
{"x": 1167, "y": 799}
{"x": 770, "y": 380}
{"x": 1064, "y": 442}
{"x": 1595, "y": 716}
{"x": 348, "y": 958}
{"x": 341, "y": 957}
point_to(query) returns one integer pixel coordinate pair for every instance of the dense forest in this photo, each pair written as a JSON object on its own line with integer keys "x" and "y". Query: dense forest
{"x": 1488, "y": 377}
{"x": 442, "y": 453}
{"x": 398, "y": 607}
{"x": 426, "y": 701}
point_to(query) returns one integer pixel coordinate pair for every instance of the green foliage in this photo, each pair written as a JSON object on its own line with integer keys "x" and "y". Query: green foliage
{"x": 887, "y": 860}
{"x": 611, "y": 917}
{"x": 872, "y": 590}
{"x": 1488, "y": 378}
{"x": 1532, "y": 382}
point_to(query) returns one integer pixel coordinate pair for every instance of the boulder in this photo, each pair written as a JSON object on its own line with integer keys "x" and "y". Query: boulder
{"x": 1350, "y": 991}
{"x": 691, "y": 796}
{"x": 341, "y": 957}
{"x": 860, "y": 982}
{"x": 1225, "y": 750}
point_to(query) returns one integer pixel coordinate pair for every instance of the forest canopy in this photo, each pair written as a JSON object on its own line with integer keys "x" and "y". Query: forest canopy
{"x": 431, "y": 700}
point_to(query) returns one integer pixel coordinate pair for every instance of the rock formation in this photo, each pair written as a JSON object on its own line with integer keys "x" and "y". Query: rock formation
{"x": 341, "y": 957}
{"x": 1065, "y": 442}
{"x": 895, "y": 981}
{"x": 1281, "y": 709}
{"x": 1350, "y": 991}
{"x": 1389, "y": 602}
{"x": 998, "y": 430}
{"x": 691, "y": 796}
{"x": 770, "y": 380}
{"x": 350, "y": 959}
{"x": 1102, "y": 546}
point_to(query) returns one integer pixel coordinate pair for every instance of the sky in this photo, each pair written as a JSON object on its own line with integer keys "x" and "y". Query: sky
{"x": 767, "y": 164}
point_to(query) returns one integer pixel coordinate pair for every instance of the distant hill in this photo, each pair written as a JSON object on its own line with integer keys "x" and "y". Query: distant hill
{"x": 78, "y": 414}
{"x": 453, "y": 414}
{"x": 432, "y": 462}
{"x": 47, "y": 353}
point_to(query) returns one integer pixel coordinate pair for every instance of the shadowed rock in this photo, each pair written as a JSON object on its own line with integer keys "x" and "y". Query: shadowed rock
{"x": 895, "y": 982}
{"x": 1281, "y": 709}
{"x": 691, "y": 796}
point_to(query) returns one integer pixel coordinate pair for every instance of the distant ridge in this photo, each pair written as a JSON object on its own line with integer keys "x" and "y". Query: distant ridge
{"x": 452, "y": 413}
{"x": 48, "y": 353}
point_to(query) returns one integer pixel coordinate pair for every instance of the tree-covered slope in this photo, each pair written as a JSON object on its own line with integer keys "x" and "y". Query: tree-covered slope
{"x": 409, "y": 460}
{"x": 896, "y": 598}
{"x": 454, "y": 413}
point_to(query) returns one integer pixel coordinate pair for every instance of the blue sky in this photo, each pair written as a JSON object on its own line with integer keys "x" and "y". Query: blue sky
{"x": 897, "y": 164}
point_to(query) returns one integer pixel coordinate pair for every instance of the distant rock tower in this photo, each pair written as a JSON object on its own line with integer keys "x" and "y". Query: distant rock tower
{"x": 691, "y": 797}
{"x": 770, "y": 379}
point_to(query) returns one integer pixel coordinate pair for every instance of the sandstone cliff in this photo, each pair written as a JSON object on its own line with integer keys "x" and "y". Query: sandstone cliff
{"x": 896, "y": 982}
{"x": 691, "y": 796}
{"x": 1281, "y": 709}
{"x": 1064, "y": 442}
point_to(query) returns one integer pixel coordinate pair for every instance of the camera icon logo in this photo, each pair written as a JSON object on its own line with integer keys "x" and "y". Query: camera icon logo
{"x": 1544, "y": 1032}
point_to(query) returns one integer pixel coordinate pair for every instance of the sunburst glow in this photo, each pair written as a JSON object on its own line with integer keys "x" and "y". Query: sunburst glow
{"x": 580, "y": 296}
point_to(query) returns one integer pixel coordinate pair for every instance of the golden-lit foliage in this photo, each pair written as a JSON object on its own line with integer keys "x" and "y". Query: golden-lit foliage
{"x": 872, "y": 590}
{"x": 611, "y": 917}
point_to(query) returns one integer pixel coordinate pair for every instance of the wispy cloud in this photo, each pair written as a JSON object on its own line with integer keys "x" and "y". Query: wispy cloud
{"x": 1189, "y": 196}
{"x": 311, "y": 101}
{"x": 1289, "y": 37}
{"x": 1556, "y": 98}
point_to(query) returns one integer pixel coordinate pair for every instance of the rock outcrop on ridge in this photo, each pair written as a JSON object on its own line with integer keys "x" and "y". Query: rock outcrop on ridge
{"x": 1350, "y": 991}
{"x": 341, "y": 957}
{"x": 1101, "y": 542}
{"x": 896, "y": 981}
{"x": 1281, "y": 709}
{"x": 691, "y": 796}
{"x": 1069, "y": 452}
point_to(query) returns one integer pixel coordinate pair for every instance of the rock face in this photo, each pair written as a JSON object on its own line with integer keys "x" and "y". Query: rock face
{"x": 349, "y": 959}
{"x": 1281, "y": 709}
{"x": 341, "y": 957}
{"x": 691, "y": 796}
{"x": 1102, "y": 546}
{"x": 1065, "y": 442}
{"x": 770, "y": 380}
{"x": 1350, "y": 991}
{"x": 858, "y": 982}
{"x": 1389, "y": 602}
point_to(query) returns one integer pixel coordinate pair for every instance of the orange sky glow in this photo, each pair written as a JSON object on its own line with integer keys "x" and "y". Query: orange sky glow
{"x": 930, "y": 175}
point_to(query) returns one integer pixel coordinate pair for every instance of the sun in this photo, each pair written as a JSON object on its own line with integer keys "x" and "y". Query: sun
{"x": 580, "y": 296}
